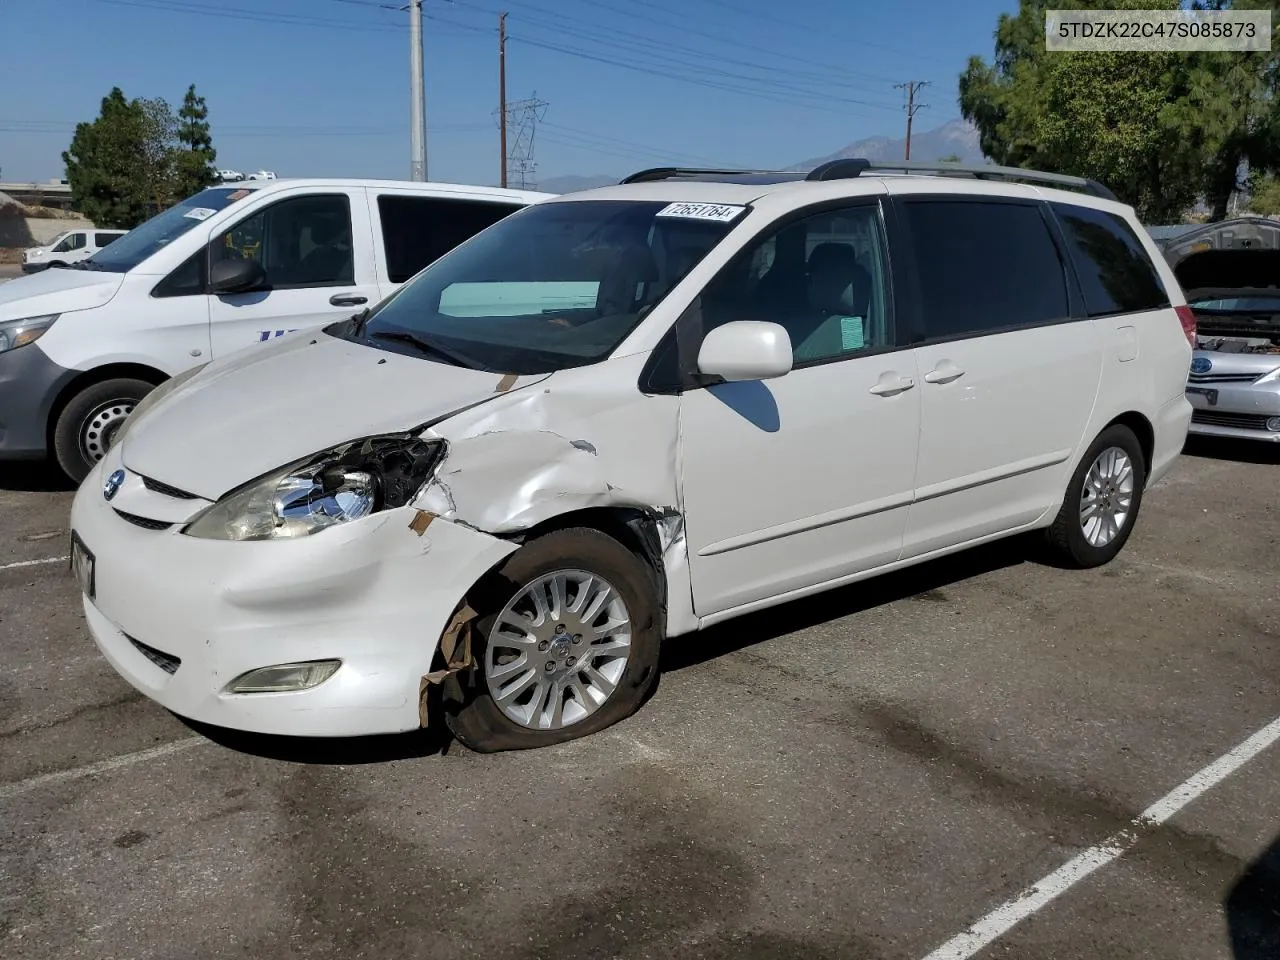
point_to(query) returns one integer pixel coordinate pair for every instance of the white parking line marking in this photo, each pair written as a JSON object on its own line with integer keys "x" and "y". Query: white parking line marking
{"x": 10, "y": 790}
{"x": 1002, "y": 919}
{"x": 32, "y": 563}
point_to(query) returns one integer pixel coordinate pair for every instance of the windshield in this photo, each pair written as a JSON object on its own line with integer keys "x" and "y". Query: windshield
{"x": 554, "y": 285}
{"x": 1265, "y": 304}
{"x": 142, "y": 241}
{"x": 54, "y": 242}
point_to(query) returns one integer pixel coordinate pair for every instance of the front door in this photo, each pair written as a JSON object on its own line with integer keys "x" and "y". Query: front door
{"x": 1009, "y": 369}
{"x": 317, "y": 268}
{"x": 796, "y": 481}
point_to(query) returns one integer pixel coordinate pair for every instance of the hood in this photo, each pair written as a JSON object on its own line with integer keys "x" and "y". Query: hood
{"x": 268, "y": 405}
{"x": 1215, "y": 274}
{"x": 57, "y": 291}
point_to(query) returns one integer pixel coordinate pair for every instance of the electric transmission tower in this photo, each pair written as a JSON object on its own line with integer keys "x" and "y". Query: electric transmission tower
{"x": 521, "y": 124}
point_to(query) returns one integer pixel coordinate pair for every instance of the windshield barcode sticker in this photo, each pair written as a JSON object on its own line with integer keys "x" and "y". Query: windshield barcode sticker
{"x": 717, "y": 212}
{"x": 200, "y": 213}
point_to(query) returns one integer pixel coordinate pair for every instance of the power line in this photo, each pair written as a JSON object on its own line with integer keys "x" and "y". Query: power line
{"x": 789, "y": 81}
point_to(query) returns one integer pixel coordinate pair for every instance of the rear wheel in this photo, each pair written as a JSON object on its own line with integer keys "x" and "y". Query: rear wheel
{"x": 566, "y": 644}
{"x": 1102, "y": 500}
{"x": 90, "y": 421}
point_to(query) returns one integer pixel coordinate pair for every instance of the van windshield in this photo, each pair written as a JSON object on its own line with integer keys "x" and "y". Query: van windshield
{"x": 555, "y": 285}
{"x": 145, "y": 239}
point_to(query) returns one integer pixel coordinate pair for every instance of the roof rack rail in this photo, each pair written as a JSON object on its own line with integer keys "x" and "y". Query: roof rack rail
{"x": 670, "y": 173}
{"x": 856, "y": 166}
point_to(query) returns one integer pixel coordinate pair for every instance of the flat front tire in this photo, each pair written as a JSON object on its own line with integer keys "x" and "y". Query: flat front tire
{"x": 88, "y": 423}
{"x": 1102, "y": 501}
{"x": 565, "y": 644}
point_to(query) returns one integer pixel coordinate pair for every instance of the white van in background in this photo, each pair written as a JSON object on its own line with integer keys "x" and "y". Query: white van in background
{"x": 232, "y": 266}
{"x": 68, "y": 247}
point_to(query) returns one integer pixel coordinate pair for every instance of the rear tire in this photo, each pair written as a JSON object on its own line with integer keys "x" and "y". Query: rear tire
{"x": 85, "y": 428}
{"x": 565, "y": 656}
{"x": 1102, "y": 501}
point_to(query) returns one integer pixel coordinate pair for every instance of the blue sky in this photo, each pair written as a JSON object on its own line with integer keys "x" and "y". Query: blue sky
{"x": 320, "y": 87}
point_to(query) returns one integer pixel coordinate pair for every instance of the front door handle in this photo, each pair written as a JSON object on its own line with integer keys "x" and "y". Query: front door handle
{"x": 944, "y": 372}
{"x": 890, "y": 384}
{"x": 347, "y": 300}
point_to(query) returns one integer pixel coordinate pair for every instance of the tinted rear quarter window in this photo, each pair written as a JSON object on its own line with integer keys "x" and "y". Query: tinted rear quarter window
{"x": 1116, "y": 275}
{"x": 984, "y": 266}
{"x": 419, "y": 230}
{"x": 102, "y": 239}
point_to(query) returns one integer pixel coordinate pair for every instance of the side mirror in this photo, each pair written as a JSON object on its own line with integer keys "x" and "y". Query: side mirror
{"x": 746, "y": 350}
{"x": 236, "y": 276}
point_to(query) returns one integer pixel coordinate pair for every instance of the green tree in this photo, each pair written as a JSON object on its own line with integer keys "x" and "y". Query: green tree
{"x": 1264, "y": 196}
{"x": 950, "y": 158}
{"x": 1161, "y": 129}
{"x": 102, "y": 164}
{"x": 195, "y": 156}
{"x": 155, "y": 163}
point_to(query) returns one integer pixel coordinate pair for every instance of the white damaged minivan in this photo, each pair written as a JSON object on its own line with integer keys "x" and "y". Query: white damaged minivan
{"x": 620, "y": 416}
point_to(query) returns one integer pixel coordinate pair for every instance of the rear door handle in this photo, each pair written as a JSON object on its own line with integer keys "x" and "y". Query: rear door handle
{"x": 890, "y": 384}
{"x": 347, "y": 300}
{"x": 944, "y": 372}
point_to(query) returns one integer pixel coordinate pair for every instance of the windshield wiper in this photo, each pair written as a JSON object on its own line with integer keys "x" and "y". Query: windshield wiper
{"x": 360, "y": 319}
{"x": 424, "y": 346}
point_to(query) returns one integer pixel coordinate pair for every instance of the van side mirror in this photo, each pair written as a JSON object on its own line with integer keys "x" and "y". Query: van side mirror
{"x": 746, "y": 350}
{"x": 236, "y": 276}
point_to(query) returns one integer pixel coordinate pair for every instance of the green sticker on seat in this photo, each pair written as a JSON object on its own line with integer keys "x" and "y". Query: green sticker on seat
{"x": 851, "y": 333}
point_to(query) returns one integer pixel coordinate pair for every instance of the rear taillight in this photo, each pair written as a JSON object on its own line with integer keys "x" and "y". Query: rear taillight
{"x": 1188, "y": 320}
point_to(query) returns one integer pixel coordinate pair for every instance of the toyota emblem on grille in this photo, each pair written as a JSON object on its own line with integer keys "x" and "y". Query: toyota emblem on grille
{"x": 1201, "y": 365}
{"x": 112, "y": 486}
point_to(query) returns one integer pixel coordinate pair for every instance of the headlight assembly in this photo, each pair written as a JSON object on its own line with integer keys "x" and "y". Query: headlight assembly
{"x": 18, "y": 333}
{"x": 331, "y": 488}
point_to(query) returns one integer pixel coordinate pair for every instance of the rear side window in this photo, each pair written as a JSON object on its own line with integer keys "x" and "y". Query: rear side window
{"x": 985, "y": 266}
{"x": 1116, "y": 275}
{"x": 102, "y": 239}
{"x": 419, "y": 230}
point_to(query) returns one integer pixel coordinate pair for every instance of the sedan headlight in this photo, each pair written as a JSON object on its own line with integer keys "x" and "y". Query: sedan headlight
{"x": 18, "y": 333}
{"x": 331, "y": 488}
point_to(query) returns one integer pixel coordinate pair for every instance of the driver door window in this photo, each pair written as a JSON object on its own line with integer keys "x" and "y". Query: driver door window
{"x": 300, "y": 242}
{"x": 73, "y": 241}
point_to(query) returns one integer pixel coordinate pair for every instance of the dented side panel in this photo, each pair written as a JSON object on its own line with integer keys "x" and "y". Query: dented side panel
{"x": 575, "y": 441}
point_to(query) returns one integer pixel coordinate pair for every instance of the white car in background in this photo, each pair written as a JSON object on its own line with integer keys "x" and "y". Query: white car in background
{"x": 230, "y": 176}
{"x": 261, "y": 175}
{"x": 68, "y": 247}
{"x": 624, "y": 415}
{"x": 232, "y": 266}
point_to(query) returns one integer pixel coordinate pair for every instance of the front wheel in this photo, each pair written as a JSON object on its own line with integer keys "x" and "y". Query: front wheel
{"x": 89, "y": 422}
{"x": 1102, "y": 501}
{"x": 566, "y": 644}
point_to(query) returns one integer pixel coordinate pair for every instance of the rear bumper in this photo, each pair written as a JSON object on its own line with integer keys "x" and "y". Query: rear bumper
{"x": 29, "y": 384}
{"x": 1171, "y": 427}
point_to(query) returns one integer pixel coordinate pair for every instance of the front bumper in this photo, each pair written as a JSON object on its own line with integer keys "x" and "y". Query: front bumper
{"x": 373, "y": 593}
{"x": 1237, "y": 411}
{"x": 29, "y": 384}
{"x": 34, "y": 267}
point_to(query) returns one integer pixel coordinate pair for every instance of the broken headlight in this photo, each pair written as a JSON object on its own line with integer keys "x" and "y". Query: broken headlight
{"x": 340, "y": 485}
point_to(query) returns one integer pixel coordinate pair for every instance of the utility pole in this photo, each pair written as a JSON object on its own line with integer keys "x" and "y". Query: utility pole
{"x": 911, "y": 86}
{"x": 417, "y": 97}
{"x": 502, "y": 92}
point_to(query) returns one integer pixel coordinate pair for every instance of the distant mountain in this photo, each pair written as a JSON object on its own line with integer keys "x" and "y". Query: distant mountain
{"x": 958, "y": 137}
{"x": 571, "y": 184}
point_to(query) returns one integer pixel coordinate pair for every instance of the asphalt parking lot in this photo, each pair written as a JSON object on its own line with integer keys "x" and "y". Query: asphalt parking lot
{"x": 861, "y": 775}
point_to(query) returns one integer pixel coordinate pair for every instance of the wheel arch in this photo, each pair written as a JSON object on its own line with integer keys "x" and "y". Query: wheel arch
{"x": 1143, "y": 430}
{"x": 110, "y": 371}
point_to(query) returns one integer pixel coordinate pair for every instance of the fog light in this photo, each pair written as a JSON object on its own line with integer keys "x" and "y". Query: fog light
{"x": 284, "y": 677}
{"x": 1273, "y": 424}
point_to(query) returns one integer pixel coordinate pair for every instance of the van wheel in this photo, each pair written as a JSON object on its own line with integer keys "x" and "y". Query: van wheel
{"x": 565, "y": 645}
{"x": 1102, "y": 501}
{"x": 89, "y": 423}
